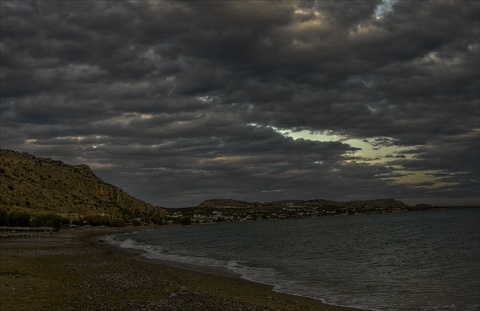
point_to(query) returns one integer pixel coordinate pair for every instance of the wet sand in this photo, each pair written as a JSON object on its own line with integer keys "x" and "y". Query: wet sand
{"x": 73, "y": 270}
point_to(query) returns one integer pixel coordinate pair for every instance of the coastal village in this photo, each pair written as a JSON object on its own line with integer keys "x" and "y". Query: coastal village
{"x": 218, "y": 211}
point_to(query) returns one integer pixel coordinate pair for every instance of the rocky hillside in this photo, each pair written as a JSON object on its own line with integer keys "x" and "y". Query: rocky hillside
{"x": 42, "y": 185}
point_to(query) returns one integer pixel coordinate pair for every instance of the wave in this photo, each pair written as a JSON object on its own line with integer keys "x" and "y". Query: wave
{"x": 233, "y": 267}
{"x": 264, "y": 275}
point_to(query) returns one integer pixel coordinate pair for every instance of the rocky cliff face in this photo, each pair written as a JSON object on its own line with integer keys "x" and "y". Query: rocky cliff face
{"x": 46, "y": 185}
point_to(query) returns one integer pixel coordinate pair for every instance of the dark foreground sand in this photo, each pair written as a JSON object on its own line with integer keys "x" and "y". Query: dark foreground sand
{"x": 74, "y": 271}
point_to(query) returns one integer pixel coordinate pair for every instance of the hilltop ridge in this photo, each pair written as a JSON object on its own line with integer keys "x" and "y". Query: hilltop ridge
{"x": 374, "y": 203}
{"x": 42, "y": 185}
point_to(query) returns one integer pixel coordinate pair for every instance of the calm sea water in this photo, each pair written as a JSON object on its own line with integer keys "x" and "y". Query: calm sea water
{"x": 404, "y": 261}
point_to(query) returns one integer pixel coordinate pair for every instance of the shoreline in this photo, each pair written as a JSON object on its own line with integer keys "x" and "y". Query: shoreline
{"x": 73, "y": 270}
{"x": 202, "y": 269}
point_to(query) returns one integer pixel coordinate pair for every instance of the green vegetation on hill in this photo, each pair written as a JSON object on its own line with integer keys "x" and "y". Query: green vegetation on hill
{"x": 42, "y": 186}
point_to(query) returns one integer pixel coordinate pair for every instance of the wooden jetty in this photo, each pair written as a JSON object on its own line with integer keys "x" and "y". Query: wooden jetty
{"x": 25, "y": 232}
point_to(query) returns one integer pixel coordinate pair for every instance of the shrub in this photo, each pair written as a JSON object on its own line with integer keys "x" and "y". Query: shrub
{"x": 186, "y": 221}
{"x": 18, "y": 219}
{"x": 3, "y": 217}
{"x": 49, "y": 220}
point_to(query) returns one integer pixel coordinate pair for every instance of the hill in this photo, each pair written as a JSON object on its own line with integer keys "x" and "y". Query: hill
{"x": 36, "y": 185}
{"x": 228, "y": 210}
{"x": 360, "y": 204}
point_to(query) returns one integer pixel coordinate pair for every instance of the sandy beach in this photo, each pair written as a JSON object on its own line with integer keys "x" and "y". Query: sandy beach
{"x": 74, "y": 270}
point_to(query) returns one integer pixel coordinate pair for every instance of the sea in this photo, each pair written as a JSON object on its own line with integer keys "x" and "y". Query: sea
{"x": 425, "y": 260}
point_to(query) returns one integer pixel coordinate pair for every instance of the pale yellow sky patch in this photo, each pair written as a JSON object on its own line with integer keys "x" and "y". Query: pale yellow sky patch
{"x": 367, "y": 153}
{"x": 421, "y": 179}
{"x": 371, "y": 152}
{"x": 75, "y": 138}
{"x": 101, "y": 166}
{"x": 232, "y": 160}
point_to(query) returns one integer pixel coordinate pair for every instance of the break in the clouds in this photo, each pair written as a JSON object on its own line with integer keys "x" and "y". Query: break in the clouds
{"x": 182, "y": 101}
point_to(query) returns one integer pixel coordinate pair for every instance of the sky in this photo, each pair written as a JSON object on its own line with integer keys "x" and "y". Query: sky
{"x": 178, "y": 102}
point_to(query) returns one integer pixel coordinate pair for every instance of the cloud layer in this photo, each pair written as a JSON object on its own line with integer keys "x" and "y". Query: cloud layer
{"x": 181, "y": 101}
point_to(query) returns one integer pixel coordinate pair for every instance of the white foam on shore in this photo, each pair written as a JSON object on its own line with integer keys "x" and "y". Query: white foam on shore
{"x": 267, "y": 276}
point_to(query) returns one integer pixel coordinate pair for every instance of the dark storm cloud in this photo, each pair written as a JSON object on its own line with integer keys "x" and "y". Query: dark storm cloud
{"x": 180, "y": 101}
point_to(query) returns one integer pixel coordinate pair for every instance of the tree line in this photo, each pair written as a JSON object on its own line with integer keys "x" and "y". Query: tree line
{"x": 24, "y": 219}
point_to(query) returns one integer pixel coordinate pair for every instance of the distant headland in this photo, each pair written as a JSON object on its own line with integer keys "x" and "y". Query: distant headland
{"x": 226, "y": 210}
